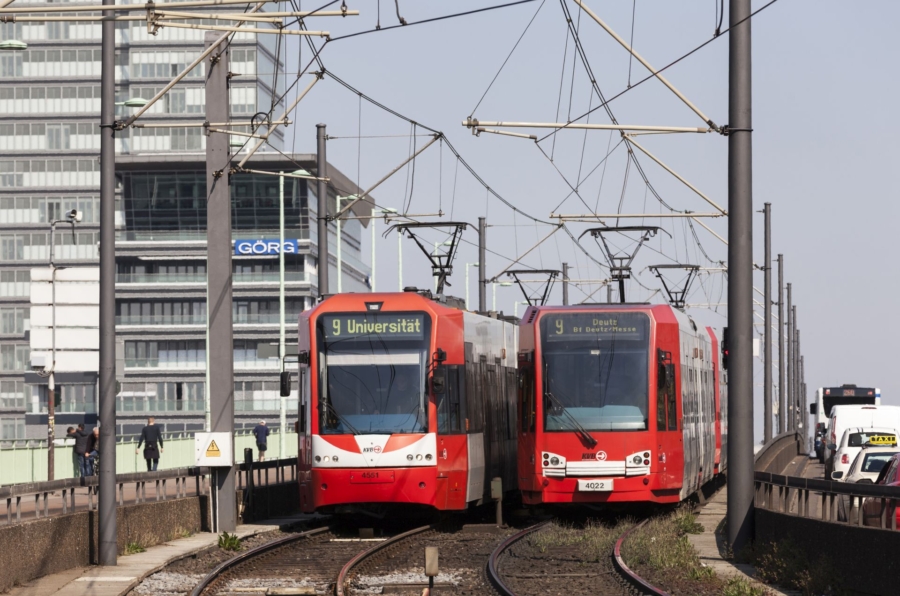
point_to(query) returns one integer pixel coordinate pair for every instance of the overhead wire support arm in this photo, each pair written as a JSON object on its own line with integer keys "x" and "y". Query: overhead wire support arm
{"x": 620, "y": 261}
{"x": 58, "y": 8}
{"x": 365, "y": 194}
{"x": 594, "y": 217}
{"x": 647, "y": 65}
{"x": 477, "y": 126}
{"x": 631, "y": 141}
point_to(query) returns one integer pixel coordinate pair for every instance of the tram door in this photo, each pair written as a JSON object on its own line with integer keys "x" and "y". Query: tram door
{"x": 527, "y": 422}
{"x": 670, "y": 439}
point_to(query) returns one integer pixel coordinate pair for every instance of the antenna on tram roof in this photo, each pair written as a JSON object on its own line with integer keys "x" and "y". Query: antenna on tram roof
{"x": 678, "y": 291}
{"x": 442, "y": 257}
{"x": 619, "y": 260}
{"x": 538, "y": 297}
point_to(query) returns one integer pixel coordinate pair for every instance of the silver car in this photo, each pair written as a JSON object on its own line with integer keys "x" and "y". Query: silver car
{"x": 868, "y": 464}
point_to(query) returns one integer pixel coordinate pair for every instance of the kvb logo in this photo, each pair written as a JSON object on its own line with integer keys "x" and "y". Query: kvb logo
{"x": 375, "y": 449}
{"x": 601, "y": 456}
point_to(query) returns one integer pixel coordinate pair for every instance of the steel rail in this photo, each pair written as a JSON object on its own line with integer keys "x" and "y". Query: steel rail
{"x": 632, "y": 577}
{"x": 226, "y": 565}
{"x": 346, "y": 569}
{"x": 493, "y": 572}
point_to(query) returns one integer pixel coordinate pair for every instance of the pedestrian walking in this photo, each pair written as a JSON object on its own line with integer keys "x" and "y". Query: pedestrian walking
{"x": 80, "y": 449}
{"x": 262, "y": 433}
{"x": 151, "y": 438}
{"x": 93, "y": 449}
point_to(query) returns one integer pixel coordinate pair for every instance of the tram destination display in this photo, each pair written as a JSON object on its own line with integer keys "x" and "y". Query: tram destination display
{"x": 386, "y": 326}
{"x": 594, "y": 326}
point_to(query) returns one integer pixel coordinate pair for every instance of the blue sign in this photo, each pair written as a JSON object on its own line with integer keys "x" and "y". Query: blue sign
{"x": 264, "y": 247}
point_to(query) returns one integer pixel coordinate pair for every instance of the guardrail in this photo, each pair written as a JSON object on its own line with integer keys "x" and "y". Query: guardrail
{"x": 777, "y": 453}
{"x": 38, "y": 500}
{"x": 841, "y": 502}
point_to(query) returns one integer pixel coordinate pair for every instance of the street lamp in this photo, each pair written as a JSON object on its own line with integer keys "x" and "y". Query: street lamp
{"x": 13, "y": 45}
{"x": 386, "y": 211}
{"x": 467, "y": 283}
{"x": 504, "y": 284}
{"x": 72, "y": 217}
{"x": 133, "y": 102}
{"x": 340, "y": 275}
{"x": 516, "y": 307}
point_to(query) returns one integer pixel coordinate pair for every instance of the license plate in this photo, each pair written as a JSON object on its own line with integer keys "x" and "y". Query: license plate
{"x": 371, "y": 477}
{"x": 595, "y": 485}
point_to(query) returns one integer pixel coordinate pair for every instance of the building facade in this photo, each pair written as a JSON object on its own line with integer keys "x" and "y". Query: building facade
{"x": 49, "y": 149}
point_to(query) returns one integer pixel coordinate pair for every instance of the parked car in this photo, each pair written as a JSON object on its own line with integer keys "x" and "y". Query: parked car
{"x": 844, "y": 417}
{"x": 868, "y": 464}
{"x": 873, "y": 508}
{"x": 852, "y": 443}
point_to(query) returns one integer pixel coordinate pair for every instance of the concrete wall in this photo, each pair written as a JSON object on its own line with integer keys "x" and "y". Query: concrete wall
{"x": 864, "y": 557}
{"x": 33, "y": 549}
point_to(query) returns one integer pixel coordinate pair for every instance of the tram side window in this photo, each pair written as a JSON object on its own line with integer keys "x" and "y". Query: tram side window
{"x": 451, "y": 412}
{"x": 526, "y": 398}
{"x": 474, "y": 397}
{"x": 670, "y": 399}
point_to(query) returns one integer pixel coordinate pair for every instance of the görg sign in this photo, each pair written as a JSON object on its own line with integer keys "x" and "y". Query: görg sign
{"x": 265, "y": 247}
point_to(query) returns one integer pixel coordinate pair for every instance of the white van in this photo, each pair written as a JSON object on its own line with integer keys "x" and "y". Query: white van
{"x": 844, "y": 417}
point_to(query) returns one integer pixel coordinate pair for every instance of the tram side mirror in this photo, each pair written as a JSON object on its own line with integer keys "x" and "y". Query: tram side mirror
{"x": 813, "y": 409}
{"x": 302, "y": 357}
{"x": 661, "y": 376}
{"x": 286, "y": 383}
{"x": 439, "y": 380}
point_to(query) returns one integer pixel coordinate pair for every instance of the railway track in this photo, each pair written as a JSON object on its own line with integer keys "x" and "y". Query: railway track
{"x": 617, "y": 579}
{"x": 304, "y": 563}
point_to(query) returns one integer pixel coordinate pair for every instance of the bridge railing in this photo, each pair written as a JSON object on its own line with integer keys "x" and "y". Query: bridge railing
{"x": 841, "y": 502}
{"x": 37, "y": 500}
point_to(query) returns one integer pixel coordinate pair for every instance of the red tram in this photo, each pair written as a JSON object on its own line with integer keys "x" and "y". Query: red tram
{"x": 405, "y": 400}
{"x": 619, "y": 403}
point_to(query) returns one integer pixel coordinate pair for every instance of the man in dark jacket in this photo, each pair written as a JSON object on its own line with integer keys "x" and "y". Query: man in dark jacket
{"x": 80, "y": 449}
{"x": 262, "y": 433}
{"x": 151, "y": 438}
{"x": 93, "y": 449}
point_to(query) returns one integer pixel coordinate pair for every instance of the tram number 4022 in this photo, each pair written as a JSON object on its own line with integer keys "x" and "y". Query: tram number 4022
{"x": 595, "y": 485}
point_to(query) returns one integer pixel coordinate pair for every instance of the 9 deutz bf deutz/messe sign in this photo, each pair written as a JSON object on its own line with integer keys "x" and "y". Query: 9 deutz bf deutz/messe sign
{"x": 265, "y": 247}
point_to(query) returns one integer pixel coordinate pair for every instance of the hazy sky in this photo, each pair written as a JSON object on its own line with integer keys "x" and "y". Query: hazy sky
{"x": 824, "y": 149}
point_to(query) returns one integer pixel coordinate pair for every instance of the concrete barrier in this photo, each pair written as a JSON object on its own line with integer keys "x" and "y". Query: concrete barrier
{"x": 863, "y": 556}
{"x": 43, "y": 546}
{"x": 778, "y": 453}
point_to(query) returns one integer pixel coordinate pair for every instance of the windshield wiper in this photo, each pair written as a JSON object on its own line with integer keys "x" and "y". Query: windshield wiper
{"x": 338, "y": 415}
{"x": 585, "y": 435}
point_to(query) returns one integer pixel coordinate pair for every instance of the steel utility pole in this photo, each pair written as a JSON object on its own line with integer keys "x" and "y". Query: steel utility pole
{"x": 219, "y": 276}
{"x": 795, "y": 367}
{"x": 767, "y": 328}
{"x": 789, "y": 342}
{"x": 106, "y": 506}
{"x": 322, "y": 202}
{"x": 565, "y": 284}
{"x": 740, "y": 279}
{"x": 482, "y": 268}
{"x": 782, "y": 416}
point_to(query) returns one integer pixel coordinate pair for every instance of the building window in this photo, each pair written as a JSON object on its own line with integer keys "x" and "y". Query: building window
{"x": 165, "y": 354}
{"x": 13, "y": 395}
{"x": 257, "y": 395}
{"x": 14, "y": 357}
{"x": 14, "y": 320}
{"x": 12, "y": 428}
{"x": 15, "y": 283}
{"x": 161, "y": 397}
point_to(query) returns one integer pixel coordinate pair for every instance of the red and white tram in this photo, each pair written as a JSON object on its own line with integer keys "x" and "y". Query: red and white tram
{"x": 404, "y": 401}
{"x": 619, "y": 403}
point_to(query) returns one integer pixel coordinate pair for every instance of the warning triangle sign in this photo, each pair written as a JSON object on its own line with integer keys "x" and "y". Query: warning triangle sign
{"x": 213, "y": 450}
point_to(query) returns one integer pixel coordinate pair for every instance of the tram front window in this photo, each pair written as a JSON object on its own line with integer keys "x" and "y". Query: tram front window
{"x": 595, "y": 371}
{"x": 372, "y": 370}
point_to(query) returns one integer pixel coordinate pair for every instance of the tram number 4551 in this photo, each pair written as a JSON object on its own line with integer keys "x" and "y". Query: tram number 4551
{"x": 595, "y": 485}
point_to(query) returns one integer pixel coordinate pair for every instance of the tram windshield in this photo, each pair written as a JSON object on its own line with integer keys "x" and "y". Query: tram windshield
{"x": 595, "y": 371}
{"x": 372, "y": 369}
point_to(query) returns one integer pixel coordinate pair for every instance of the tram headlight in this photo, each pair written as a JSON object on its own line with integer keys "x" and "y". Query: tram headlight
{"x": 326, "y": 458}
{"x": 428, "y": 457}
{"x": 554, "y": 461}
{"x": 334, "y": 458}
{"x": 409, "y": 456}
{"x": 637, "y": 460}
{"x": 419, "y": 457}
{"x": 318, "y": 458}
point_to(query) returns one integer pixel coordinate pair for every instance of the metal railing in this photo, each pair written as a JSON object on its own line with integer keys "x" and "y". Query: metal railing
{"x": 41, "y": 500}
{"x": 841, "y": 502}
